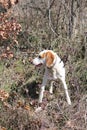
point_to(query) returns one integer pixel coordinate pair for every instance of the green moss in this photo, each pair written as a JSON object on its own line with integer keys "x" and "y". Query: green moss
{"x": 1, "y": 68}
{"x": 19, "y": 67}
{"x": 7, "y": 88}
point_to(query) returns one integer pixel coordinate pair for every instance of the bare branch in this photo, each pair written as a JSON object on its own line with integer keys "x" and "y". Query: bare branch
{"x": 50, "y": 23}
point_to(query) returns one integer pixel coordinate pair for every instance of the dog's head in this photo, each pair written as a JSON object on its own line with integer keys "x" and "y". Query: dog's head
{"x": 45, "y": 57}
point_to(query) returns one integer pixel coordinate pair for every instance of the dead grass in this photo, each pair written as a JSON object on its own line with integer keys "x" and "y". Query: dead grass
{"x": 19, "y": 78}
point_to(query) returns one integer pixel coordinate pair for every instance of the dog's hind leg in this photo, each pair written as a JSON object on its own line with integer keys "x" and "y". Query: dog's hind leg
{"x": 51, "y": 87}
{"x": 66, "y": 91}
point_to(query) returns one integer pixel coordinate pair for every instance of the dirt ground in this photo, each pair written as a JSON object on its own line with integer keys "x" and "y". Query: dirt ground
{"x": 22, "y": 82}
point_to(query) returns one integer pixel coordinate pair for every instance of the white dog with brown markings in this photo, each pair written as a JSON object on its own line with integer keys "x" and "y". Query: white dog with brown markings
{"x": 54, "y": 69}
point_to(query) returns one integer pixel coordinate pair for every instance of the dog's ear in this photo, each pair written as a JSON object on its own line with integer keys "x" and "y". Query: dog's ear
{"x": 49, "y": 59}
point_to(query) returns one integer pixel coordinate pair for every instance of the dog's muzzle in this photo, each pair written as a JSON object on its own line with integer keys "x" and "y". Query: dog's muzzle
{"x": 37, "y": 62}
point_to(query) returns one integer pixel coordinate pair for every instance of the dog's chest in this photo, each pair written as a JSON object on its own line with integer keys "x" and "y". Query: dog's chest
{"x": 52, "y": 72}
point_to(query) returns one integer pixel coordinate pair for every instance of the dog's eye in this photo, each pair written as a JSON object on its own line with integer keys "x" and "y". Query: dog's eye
{"x": 39, "y": 57}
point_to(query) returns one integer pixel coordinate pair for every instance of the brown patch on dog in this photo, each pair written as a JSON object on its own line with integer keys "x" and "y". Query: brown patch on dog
{"x": 49, "y": 59}
{"x": 43, "y": 55}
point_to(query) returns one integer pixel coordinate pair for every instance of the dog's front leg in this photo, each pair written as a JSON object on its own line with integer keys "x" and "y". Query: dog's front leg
{"x": 42, "y": 88}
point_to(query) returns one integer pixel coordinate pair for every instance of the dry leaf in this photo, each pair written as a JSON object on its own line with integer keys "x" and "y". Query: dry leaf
{"x": 3, "y": 95}
{"x": 8, "y": 48}
{"x": 27, "y": 107}
{"x": 3, "y": 128}
{"x": 20, "y": 104}
{"x": 10, "y": 55}
{"x": 4, "y": 55}
{"x": 6, "y": 104}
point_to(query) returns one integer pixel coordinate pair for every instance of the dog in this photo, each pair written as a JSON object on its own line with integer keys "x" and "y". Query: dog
{"x": 54, "y": 69}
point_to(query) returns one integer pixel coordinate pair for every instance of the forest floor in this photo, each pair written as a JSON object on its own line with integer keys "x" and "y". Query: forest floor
{"x": 20, "y": 84}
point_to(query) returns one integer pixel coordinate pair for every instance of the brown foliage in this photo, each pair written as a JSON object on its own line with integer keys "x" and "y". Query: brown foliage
{"x": 8, "y": 28}
{"x": 8, "y": 3}
{"x": 3, "y": 95}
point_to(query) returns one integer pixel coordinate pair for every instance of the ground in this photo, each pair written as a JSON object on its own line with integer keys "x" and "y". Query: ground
{"x": 20, "y": 79}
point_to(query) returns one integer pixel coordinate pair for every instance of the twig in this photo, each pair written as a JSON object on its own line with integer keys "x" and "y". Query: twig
{"x": 50, "y": 23}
